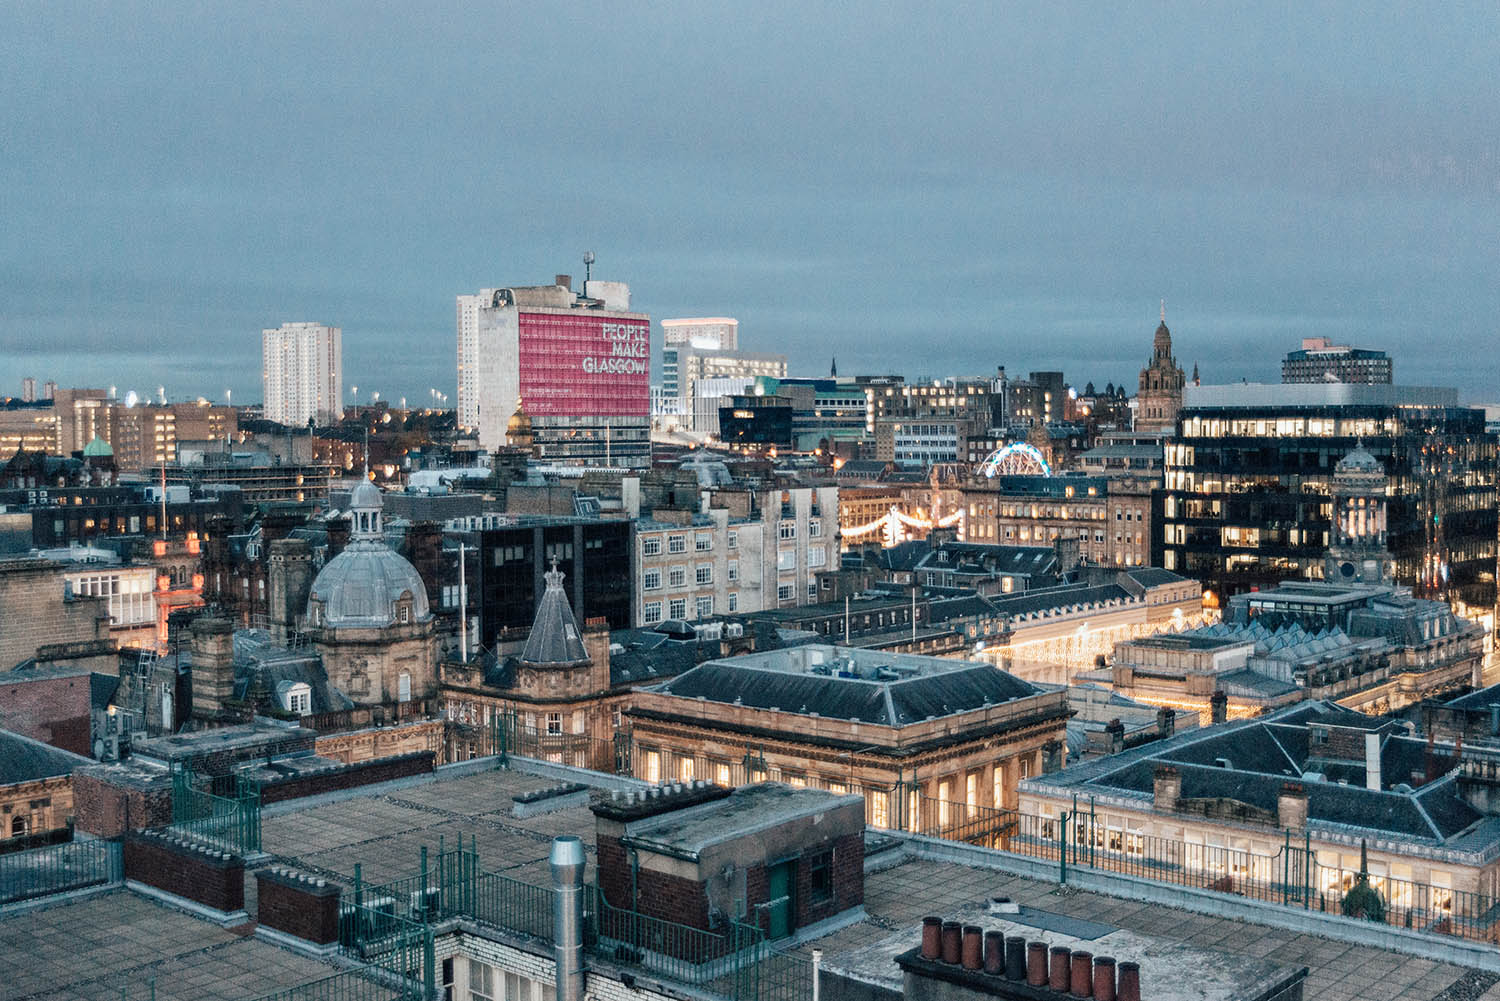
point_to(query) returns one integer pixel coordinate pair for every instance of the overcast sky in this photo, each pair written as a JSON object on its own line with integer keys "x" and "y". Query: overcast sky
{"x": 931, "y": 191}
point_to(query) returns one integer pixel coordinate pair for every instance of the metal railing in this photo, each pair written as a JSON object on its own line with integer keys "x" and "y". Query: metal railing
{"x": 1291, "y": 876}
{"x": 230, "y": 823}
{"x": 350, "y": 985}
{"x": 513, "y": 905}
{"x": 62, "y": 868}
{"x": 675, "y": 951}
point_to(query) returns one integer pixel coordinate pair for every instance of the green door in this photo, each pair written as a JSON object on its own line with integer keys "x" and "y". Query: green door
{"x": 779, "y": 906}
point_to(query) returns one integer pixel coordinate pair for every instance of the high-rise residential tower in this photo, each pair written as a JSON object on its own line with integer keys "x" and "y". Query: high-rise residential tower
{"x": 468, "y": 355}
{"x": 303, "y": 373}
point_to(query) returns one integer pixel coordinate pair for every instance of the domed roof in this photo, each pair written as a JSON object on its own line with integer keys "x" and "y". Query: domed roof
{"x": 519, "y": 421}
{"x": 98, "y": 448}
{"x": 366, "y": 495}
{"x": 1162, "y": 342}
{"x": 1359, "y": 461}
{"x": 360, "y": 587}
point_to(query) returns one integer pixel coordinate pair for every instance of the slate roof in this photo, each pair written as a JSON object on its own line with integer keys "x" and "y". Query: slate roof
{"x": 554, "y": 638}
{"x": 1060, "y": 597}
{"x": 886, "y": 703}
{"x": 25, "y": 760}
{"x": 1481, "y": 699}
{"x": 260, "y": 664}
{"x": 980, "y": 558}
{"x": 1265, "y": 752}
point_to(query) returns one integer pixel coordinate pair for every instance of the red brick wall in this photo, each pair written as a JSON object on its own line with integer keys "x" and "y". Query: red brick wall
{"x": 349, "y": 776}
{"x": 613, "y": 871}
{"x": 105, "y": 809}
{"x": 52, "y": 710}
{"x": 298, "y": 905}
{"x": 213, "y": 879}
{"x": 686, "y": 901}
{"x": 658, "y": 895}
{"x": 848, "y": 881}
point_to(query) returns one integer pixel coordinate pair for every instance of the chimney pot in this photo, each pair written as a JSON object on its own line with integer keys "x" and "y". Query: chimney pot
{"x": 972, "y": 947}
{"x": 1036, "y": 963}
{"x": 1015, "y": 958}
{"x": 1129, "y": 985}
{"x": 994, "y": 953}
{"x": 1057, "y": 971}
{"x": 1082, "y": 980}
{"x": 952, "y": 938}
{"x": 1104, "y": 978}
{"x": 932, "y": 937}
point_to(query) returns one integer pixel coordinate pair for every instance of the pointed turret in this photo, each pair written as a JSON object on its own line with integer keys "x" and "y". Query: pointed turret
{"x": 555, "y": 640}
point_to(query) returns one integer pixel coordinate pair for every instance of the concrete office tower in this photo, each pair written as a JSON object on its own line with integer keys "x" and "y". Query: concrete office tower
{"x": 1321, "y": 360}
{"x": 579, "y": 364}
{"x": 717, "y": 333}
{"x": 468, "y": 355}
{"x": 303, "y": 373}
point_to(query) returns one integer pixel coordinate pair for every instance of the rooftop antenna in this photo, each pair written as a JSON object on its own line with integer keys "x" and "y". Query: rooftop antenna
{"x": 588, "y": 264}
{"x": 1164, "y": 311}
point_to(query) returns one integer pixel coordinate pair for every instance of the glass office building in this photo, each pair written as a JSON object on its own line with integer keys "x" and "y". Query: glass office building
{"x": 1246, "y": 498}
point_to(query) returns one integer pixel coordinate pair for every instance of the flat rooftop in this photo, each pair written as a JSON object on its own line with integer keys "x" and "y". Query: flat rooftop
{"x": 688, "y": 832}
{"x": 1264, "y": 395}
{"x": 90, "y": 948}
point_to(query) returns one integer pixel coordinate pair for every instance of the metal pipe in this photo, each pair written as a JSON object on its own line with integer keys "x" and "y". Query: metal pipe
{"x": 817, "y": 966}
{"x": 567, "y": 863}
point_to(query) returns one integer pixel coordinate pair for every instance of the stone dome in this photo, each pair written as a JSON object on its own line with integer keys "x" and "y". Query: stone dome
{"x": 1359, "y": 461}
{"x": 1161, "y": 344}
{"x": 363, "y": 586}
{"x": 366, "y": 495}
{"x": 366, "y": 585}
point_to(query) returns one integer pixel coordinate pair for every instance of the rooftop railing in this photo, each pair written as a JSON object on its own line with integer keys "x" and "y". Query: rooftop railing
{"x": 74, "y": 865}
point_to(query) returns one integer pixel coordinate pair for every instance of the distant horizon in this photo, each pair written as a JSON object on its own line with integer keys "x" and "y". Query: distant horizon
{"x": 909, "y": 190}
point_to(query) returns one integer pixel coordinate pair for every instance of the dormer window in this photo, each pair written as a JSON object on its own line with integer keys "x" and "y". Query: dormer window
{"x": 295, "y": 697}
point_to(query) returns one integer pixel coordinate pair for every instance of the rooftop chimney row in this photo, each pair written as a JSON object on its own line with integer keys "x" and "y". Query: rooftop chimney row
{"x": 1058, "y": 970}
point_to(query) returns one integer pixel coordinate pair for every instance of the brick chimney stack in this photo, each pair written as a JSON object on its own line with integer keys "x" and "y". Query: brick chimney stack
{"x": 1291, "y": 806}
{"x": 1166, "y": 788}
{"x": 212, "y": 647}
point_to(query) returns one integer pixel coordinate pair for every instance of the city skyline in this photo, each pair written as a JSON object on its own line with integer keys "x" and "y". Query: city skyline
{"x": 1008, "y": 189}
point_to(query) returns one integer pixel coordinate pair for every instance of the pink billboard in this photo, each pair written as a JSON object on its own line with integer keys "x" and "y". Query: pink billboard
{"x": 585, "y": 365}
